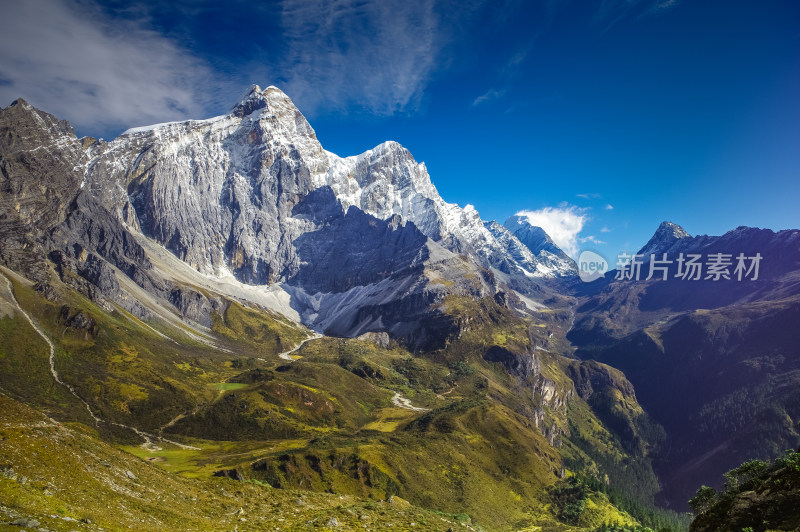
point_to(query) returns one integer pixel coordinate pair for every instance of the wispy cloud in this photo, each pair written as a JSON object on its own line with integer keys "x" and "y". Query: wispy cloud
{"x": 609, "y": 207}
{"x": 379, "y": 56}
{"x": 504, "y": 78}
{"x": 591, "y": 195}
{"x": 605, "y": 229}
{"x": 488, "y": 96}
{"x": 659, "y": 7}
{"x": 593, "y": 239}
{"x": 101, "y": 74}
{"x": 563, "y": 223}
{"x": 612, "y": 11}
{"x": 515, "y": 61}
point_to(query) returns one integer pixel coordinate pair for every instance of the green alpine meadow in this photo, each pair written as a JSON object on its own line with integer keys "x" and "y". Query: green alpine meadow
{"x": 452, "y": 266}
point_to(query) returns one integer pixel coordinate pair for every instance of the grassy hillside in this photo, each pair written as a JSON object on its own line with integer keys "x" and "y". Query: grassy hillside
{"x": 487, "y": 429}
{"x": 724, "y": 383}
{"x": 63, "y": 477}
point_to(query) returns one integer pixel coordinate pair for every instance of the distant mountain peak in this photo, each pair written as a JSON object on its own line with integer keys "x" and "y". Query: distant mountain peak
{"x": 533, "y": 236}
{"x": 673, "y": 229}
{"x": 539, "y": 243}
{"x": 665, "y": 236}
{"x": 255, "y": 98}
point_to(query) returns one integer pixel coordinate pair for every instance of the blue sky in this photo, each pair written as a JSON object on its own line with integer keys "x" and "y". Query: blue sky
{"x": 604, "y": 118}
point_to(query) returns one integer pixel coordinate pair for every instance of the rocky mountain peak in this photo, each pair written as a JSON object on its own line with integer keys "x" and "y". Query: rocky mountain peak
{"x": 537, "y": 236}
{"x": 672, "y": 229}
{"x": 534, "y": 237}
{"x": 253, "y": 197}
{"x": 252, "y": 100}
{"x": 665, "y": 237}
{"x": 255, "y": 98}
{"x": 22, "y": 103}
{"x": 275, "y": 108}
{"x": 22, "y": 115}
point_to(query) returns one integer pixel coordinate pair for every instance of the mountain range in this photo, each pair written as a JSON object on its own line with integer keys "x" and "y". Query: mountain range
{"x": 245, "y": 304}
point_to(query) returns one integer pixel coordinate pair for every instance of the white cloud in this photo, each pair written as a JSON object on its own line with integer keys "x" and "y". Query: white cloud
{"x": 488, "y": 96}
{"x": 605, "y": 230}
{"x": 609, "y": 12}
{"x": 659, "y": 7}
{"x": 591, "y": 195}
{"x": 71, "y": 60}
{"x": 591, "y": 238}
{"x": 563, "y": 223}
{"x": 507, "y": 73}
{"x": 379, "y": 56}
{"x": 609, "y": 207}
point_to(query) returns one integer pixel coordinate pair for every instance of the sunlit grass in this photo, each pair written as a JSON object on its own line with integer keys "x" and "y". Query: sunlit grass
{"x": 227, "y": 386}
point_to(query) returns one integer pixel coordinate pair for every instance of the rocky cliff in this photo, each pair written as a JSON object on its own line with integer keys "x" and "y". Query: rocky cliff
{"x": 251, "y": 198}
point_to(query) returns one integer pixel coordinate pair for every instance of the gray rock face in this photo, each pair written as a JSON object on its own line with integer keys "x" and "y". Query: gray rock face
{"x": 40, "y": 174}
{"x": 36, "y": 151}
{"x": 541, "y": 246}
{"x": 220, "y": 194}
{"x": 357, "y": 249}
{"x": 23, "y": 522}
{"x": 362, "y": 243}
{"x": 223, "y": 194}
{"x": 666, "y": 236}
{"x": 519, "y": 364}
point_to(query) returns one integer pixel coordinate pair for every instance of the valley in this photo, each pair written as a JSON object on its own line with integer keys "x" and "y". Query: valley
{"x": 266, "y": 335}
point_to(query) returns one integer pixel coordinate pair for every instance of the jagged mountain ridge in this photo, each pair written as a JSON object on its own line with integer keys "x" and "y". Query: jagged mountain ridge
{"x": 539, "y": 243}
{"x": 124, "y": 254}
{"x": 715, "y": 362}
{"x": 346, "y": 245}
{"x": 252, "y": 197}
{"x": 262, "y": 158}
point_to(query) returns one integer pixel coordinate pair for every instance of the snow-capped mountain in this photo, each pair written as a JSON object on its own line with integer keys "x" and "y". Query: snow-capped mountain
{"x": 548, "y": 254}
{"x": 246, "y": 171}
{"x": 220, "y": 192}
{"x": 251, "y": 198}
{"x": 170, "y": 227}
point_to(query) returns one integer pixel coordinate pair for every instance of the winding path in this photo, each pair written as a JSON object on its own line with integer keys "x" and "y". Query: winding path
{"x": 287, "y": 355}
{"x": 448, "y": 392}
{"x": 148, "y": 438}
{"x": 178, "y": 418}
{"x": 52, "y": 348}
{"x": 398, "y": 400}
